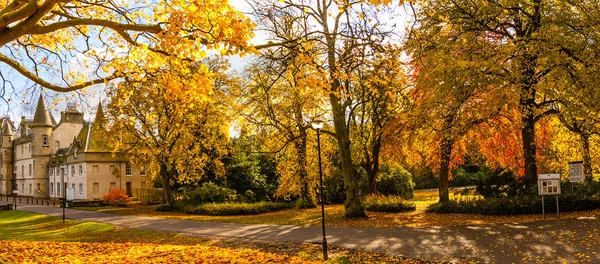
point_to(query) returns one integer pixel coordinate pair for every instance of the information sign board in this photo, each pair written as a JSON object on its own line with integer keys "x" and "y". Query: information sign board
{"x": 576, "y": 171}
{"x": 549, "y": 184}
{"x": 70, "y": 194}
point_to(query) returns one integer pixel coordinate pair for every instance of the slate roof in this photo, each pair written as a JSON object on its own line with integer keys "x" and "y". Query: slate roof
{"x": 42, "y": 116}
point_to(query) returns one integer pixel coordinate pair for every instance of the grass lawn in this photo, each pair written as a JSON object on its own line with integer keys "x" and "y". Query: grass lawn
{"x": 33, "y": 238}
{"x": 334, "y": 215}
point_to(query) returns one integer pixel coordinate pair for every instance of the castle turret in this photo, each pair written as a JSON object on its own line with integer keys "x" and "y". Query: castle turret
{"x": 41, "y": 129}
{"x": 6, "y": 156}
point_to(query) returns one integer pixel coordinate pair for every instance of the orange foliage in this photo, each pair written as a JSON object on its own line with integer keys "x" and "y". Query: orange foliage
{"x": 116, "y": 197}
{"x": 72, "y": 252}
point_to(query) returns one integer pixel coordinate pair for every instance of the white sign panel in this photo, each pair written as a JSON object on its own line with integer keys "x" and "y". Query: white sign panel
{"x": 70, "y": 194}
{"x": 576, "y": 171}
{"x": 15, "y": 191}
{"x": 549, "y": 184}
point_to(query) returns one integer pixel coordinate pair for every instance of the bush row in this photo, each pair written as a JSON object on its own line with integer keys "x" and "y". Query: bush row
{"x": 390, "y": 203}
{"x": 236, "y": 208}
{"x": 518, "y": 205}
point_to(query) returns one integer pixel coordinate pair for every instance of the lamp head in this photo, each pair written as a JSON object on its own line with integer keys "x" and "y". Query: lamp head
{"x": 318, "y": 124}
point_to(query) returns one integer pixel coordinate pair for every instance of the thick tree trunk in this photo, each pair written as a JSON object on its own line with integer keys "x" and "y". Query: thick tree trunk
{"x": 352, "y": 204}
{"x": 300, "y": 145}
{"x": 587, "y": 159}
{"x": 529, "y": 144}
{"x": 446, "y": 145}
{"x": 165, "y": 175}
{"x": 371, "y": 165}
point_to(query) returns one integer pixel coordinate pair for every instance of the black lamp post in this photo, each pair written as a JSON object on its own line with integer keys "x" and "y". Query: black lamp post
{"x": 318, "y": 125}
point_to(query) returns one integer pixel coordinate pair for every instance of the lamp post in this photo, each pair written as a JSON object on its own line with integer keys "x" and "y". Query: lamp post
{"x": 318, "y": 125}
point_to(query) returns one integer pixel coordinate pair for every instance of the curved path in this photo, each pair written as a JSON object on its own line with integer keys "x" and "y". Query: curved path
{"x": 552, "y": 241}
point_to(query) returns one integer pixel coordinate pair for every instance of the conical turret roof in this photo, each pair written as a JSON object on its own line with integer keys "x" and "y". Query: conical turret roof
{"x": 41, "y": 116}
{"x": 6, "y": 127}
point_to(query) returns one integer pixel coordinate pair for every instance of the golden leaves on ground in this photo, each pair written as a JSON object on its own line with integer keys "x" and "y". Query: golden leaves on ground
{"x": 70, "y": 252}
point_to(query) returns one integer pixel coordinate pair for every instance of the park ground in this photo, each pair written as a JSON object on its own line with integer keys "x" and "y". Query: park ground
{"x": 334, "y": 215}
{"x": 26, "y": 237}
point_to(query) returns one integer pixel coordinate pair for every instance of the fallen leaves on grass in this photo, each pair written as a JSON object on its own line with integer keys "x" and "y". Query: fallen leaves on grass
{"x": 75, "y": 252}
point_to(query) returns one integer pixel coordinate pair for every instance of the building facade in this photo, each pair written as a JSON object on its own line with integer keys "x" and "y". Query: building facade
{"x": 41, "y": 158}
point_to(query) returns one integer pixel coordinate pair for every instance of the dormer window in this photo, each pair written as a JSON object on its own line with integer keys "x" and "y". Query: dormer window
{"x": 45, "y": 140}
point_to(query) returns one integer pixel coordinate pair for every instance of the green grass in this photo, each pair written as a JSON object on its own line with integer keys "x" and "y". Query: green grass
{"x": 20, "y": 225}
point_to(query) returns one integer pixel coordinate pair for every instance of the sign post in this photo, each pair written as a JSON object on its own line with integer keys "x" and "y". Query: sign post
{"x": 549, "y": 184}
{"x": 69, "y": 197}
{"x": 576, "y": 172}
{"x": 15, "y": 192}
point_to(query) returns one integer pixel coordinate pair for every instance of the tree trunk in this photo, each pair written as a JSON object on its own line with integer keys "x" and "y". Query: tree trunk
{"x": 371, "y": 165}
{"x": 300, "y": 145}
{"x": 529, "y": 144}
{"x": 352, "y": 204}
{"x": 587, "y": 159}
{"x": 446, "y": 145}
{"x": 165, "y": 175}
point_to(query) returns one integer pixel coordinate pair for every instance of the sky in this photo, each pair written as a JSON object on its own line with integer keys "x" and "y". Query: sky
{"x": 24, "y": 98}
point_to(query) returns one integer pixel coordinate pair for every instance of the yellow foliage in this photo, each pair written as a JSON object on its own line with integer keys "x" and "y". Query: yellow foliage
{"x": 74, "y": 252}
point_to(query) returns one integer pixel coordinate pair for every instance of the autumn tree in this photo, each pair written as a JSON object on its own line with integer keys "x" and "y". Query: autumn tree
{"x": 338, "y": 29}
{"x": 381, "y": 91}
{"x": 450, "y": 96}
{"x": 68, "y": 45}
{"x": 536, "y": 40}
{"x": 281, "y": 98}
{"x": 163, "y": 122}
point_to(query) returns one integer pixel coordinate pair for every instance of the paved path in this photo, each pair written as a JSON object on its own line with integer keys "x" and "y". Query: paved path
{"x": 552, "y": 241}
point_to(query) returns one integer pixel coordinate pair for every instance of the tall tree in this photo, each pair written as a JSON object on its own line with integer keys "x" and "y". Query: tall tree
{"x": 49, "y": 42}
{"x": 536, "y": 39}
{"x": 281, "y": 98}
{"x": 164, "y": 123}
{"x": 339, "y": 30}
{"x": 381, "y": 93}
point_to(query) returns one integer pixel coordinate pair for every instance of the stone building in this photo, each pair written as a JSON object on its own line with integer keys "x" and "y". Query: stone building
{"x": 41, "y": 158}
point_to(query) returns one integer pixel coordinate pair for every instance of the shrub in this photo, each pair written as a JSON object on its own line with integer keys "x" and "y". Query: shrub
{"x": 395, "y": 181}
{"x": 236, "y": 208}
{"x": 210, "y": 193}
{"x": 164, "y": 208}
{"x": 116, "y": 197}
{"x": 390, "y": 203}
{"x": 525, "y": 204}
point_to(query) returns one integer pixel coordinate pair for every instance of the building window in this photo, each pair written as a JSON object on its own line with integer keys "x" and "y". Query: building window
{"x": 72, "y": 171}
{"x": 51, "y": 188}
{"x": 44, "y": 140}
{"x": 51, "y": 171}
{"x": 113, "y": 185}
{"x": 29, "y": 169}
{"x": 96, "y": 188}
{"x": 81, "y": 188}
{"x": 56, "y": 145}
{"x": 4, "y": 154}
{"x": 143, "y": 170}
{"x": 62, "y": 170}
{"x": 57, "y": 189}
{"x": 80, "y": 169}
{"x": 39, "y": 188}
{"x": 22, "y": 147}
{"x": 95, "y": 169}
{"x": 30, "y": 188}
{"x": 73, "y": 186}
{"x": 127, "y": 169}
{"x": 113, "y": 170}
